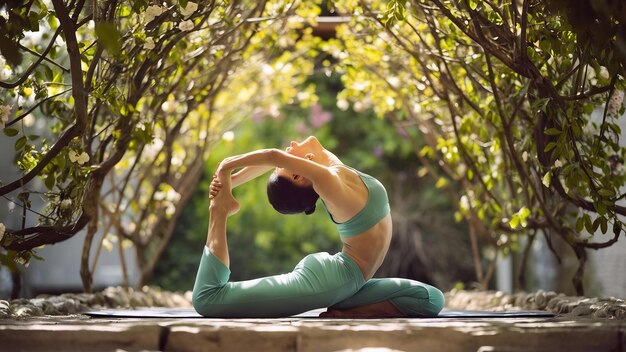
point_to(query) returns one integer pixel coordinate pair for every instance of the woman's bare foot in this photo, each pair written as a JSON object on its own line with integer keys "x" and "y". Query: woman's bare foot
{"x": 225, "y": 202}
{"x": 377, "y": 310}
{"x": 222, "y": 198}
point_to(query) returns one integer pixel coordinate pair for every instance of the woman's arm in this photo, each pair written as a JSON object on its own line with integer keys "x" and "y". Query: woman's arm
{"x": 249, "y": 173}
{"x": 276, "y": 158}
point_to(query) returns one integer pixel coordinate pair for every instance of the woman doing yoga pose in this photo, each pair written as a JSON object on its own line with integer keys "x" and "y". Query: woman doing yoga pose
{"x": 356, "y": 202}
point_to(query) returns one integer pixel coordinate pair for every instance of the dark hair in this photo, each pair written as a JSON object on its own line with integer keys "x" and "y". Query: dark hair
{"x": 288, "y": 198}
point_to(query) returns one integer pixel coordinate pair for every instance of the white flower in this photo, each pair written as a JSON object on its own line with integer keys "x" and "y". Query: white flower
{"x": 172, "y": 196}
{"x": 152, "y": 12}
{"x": 359, "y": 106}
{"x": 186, "y": 25}
{"x": 29, "y": 120}
{"x": 591, "y": 75}
{"x": 170, "y": 210}
{"x": 81, "y": 158}
{"x": 394, "y": 81}
{"x": 66, "y": 203}
{"x": 558, "y": 163}
{"x": 159, "y": 195}
{"x": 615, "y": 102}
{"x": 168, "y": 106}
{"x": 149, "y": 44}
{"x": 2, "y": 230}
{"x": 73, "y": 156}
{"x": 22, "y": 261}
{"x": 228, "y": 136}
{"x": 343, "y": 104}
{"x": 189, "y": 9}
{"x": 525, "y": 156}
{"x": 153, "y": 149}
{"x": 5, "y": 71}
{"x": 5, "y": 110}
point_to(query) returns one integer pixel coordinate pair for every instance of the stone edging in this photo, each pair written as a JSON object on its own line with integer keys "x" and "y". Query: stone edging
{"x": 118, "y": 297}
{"x": 76, "y": 303}
{"x": 570, "y": 306}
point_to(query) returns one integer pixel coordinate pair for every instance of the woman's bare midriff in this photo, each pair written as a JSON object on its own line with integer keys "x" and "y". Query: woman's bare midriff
{"x": 368, "y": 249}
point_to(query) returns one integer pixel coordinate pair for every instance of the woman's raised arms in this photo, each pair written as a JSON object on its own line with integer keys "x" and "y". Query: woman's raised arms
{"x": 323, "y": 178}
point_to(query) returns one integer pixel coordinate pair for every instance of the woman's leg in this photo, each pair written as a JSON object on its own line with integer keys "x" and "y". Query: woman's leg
{"x": 222, "y": 206}
{"x": 391, "y": 297}
{"x": 318, "y": 281}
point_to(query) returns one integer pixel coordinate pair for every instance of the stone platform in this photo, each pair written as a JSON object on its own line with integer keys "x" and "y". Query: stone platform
{"x": 81, "y": 333}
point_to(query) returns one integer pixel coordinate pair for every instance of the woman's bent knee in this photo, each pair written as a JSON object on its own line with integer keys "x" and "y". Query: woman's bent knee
{"x": 436, "y": 299}
{"x": 202, "y": 303}
{"x": 418, "y": 304}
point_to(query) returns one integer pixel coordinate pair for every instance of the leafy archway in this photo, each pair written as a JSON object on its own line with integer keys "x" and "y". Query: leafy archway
{"x": 518, "y": 105}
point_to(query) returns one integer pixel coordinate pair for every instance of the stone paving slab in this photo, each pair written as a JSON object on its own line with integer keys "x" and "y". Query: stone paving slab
{"x": 80, "y": 333}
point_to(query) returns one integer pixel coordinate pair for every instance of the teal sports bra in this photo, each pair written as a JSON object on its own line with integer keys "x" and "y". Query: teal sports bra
{"x": 375, "y": 209}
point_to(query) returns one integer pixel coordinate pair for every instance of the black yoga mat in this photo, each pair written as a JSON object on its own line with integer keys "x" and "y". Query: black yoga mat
{"x": 190, "y": 313}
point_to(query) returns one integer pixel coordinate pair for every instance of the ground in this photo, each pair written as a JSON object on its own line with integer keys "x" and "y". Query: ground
{"x": 576, "y": 328}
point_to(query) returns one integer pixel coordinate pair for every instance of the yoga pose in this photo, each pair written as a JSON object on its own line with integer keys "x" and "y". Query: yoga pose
{"x": 356, "y": 202}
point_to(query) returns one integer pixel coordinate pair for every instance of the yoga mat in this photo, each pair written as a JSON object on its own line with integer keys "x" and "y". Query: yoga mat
{"x": 191, "y": 313}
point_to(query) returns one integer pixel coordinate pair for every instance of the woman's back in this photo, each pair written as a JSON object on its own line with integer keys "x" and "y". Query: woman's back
{"x": 361, "y": 212}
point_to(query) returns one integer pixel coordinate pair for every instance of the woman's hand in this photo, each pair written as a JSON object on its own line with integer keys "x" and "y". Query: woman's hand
{"x": 221, "y": 195}
{"x": 215, "y": 187}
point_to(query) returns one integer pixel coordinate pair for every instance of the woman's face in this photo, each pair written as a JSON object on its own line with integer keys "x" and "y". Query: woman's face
{"x": 300, "y": 150}
{"x": 303, "y": 148}
{"x": 297, "y": 180}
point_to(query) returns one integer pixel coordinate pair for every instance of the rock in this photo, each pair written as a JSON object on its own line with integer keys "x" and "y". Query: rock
{"x": 27, "y": 310}
{"x": 5, "y": 309}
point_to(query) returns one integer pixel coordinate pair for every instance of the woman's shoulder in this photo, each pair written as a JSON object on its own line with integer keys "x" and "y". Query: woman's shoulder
{"x": 348, "y": 176}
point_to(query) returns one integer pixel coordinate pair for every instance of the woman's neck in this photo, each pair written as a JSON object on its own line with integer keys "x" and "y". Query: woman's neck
{"x": 330, "y": 159}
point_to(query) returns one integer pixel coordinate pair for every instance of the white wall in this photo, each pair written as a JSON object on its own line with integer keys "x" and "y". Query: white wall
{"x": 61, "y": 269}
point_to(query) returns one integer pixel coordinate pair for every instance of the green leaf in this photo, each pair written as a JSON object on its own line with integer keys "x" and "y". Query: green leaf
{"x": 553, "y": 132}
{"x": 524, "y": 212}
{"x": 10, "y": 132}
{"x": 50, "y": 181}
{"x": 20, "y": 143}
{"x": 606, "y": 192}
{"x": 109, "y": 37}
{"x": 549, "y": 147}
{"x": 600, "y": 208}
{"x": 596, "y": 224}
{"x": 616, "y": 129}
{"x": 547, "y": 179}
{"x": 617, "y": 227}
{"x": 588, "y": 224}
{"x": 33, "y": 18}
{"x": 514, "y": 222}
{"x": 603, "y": 225}
{"x": 580, "y": 224}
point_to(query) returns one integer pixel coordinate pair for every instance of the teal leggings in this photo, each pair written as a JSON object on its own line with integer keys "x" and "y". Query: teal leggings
{"x": 319, "y": 280}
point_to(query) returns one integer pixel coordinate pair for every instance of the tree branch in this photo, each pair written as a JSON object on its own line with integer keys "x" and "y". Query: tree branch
{"x": 34, "y": 65}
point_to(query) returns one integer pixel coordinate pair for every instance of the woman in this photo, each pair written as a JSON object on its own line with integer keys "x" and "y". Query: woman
{"x": 356, "y": 202}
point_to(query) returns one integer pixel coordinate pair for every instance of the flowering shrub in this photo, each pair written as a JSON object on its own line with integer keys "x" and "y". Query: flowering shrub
{"x": 517, "y": 105}
{"x": 134, "y": 94}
